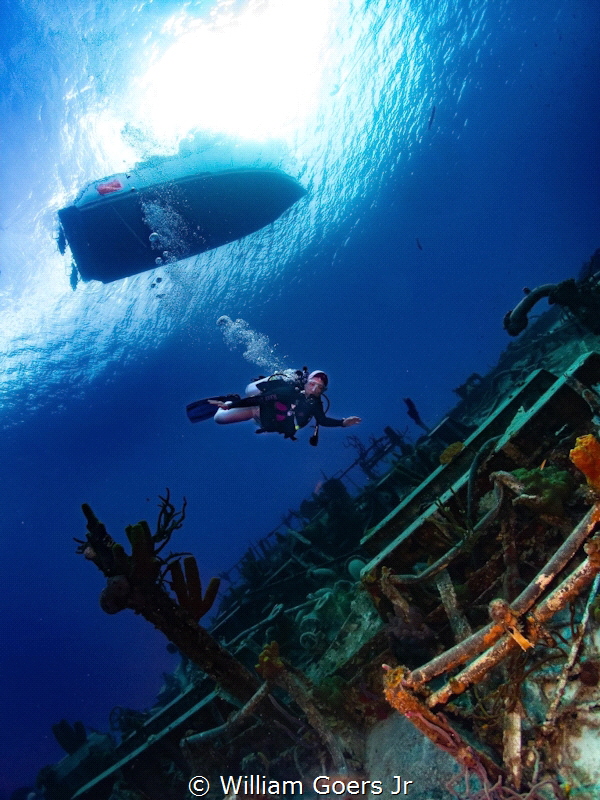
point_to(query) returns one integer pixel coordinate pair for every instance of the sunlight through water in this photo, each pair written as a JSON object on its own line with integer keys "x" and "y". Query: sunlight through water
{"x": 338, "y": 87}
{"x": 255, "y": 75}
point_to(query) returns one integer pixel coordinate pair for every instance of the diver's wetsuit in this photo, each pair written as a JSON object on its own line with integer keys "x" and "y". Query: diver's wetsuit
{"x": 286, "y": 409}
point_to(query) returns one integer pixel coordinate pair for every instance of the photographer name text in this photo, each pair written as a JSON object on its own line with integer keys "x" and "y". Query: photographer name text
{"x": 323, "y": 785}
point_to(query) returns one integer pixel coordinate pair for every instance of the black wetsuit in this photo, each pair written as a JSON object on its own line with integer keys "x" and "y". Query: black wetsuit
{"x": 285, "y": 408}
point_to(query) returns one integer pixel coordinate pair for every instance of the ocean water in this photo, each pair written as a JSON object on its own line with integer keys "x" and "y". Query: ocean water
{"x": 450, "y": 153}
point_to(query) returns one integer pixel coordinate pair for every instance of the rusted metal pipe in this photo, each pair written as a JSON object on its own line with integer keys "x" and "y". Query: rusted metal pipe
{"x": 444, "y": 561}
{"x": 568, "y": 590}
{"x": 237, "y": 717}
{"x": 558, "y": 561}
{"x": 515, "y": 321}
{"x": 512, "y": 743}
{"x": 458, "y": 622}
{"x": 502, "y": 614}
{"x": 566, "y": 672}
{"x": 288, "y": 681}
{"x": 491, "y": 633}
{"x": 436, "y": 727}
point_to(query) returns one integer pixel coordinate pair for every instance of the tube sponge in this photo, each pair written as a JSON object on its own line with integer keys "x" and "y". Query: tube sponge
{"x": 145, "y": 567}
{"x": 188, "y": 588}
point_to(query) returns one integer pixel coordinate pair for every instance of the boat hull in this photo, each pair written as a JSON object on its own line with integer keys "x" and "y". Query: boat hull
{"x": 116, "y": 230}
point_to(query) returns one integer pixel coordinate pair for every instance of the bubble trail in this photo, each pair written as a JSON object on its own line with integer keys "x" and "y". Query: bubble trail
{"x": 258, "y": 350}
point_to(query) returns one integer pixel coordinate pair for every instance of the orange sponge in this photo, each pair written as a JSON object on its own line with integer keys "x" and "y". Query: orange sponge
{"x": 586, "y": 457}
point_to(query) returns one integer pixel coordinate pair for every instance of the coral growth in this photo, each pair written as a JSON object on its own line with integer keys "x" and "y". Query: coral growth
{"x": 188, "y": 587}
{"x": 69, "y": 737}
{"x": 586, "y": 457}
{"x": 451, "y": 452}
{"x": 544, "y": 489}
{"x": 270, "y": 665}
{"x": 138, "y": 582}
{"x": 145, "y": 567}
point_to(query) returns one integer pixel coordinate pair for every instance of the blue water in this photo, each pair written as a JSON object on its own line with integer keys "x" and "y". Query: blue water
{"x": 499, "y": 186}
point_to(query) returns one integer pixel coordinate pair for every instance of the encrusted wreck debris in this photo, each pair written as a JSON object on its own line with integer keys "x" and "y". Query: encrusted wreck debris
{"x": 457, "y": 586}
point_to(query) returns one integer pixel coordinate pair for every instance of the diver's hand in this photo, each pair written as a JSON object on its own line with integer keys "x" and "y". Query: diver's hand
{"x": 220, "y": 403}
{"x": 348, "y": 421}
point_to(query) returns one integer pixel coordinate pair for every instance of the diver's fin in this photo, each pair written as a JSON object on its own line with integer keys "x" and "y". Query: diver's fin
{"x": 202, "y": 409}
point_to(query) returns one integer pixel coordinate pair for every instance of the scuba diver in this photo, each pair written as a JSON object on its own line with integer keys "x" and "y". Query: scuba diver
{"x": 278, "y": 404}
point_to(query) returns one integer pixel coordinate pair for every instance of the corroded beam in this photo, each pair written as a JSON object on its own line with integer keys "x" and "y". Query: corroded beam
{"x": 568, "y": 590}
{"x": 488, "y": 636}
{"x": 436, "y": 727}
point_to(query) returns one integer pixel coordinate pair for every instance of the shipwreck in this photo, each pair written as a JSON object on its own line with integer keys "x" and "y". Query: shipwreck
{"x": 425, "y": 625}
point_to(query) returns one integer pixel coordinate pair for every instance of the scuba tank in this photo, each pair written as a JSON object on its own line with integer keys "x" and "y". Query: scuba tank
{"x": 280, "y": 390}
{"x": 283, "y": 379}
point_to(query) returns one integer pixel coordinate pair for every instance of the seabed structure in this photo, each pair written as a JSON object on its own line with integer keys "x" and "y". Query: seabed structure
{"x": 425, "y": 625}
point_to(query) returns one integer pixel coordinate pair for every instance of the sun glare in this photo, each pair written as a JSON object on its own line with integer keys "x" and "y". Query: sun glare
{"x": 253, "y": 75}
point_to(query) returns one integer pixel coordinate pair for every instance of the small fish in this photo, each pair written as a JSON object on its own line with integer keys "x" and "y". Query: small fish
{"x": 414, "y": 414}
{"x": 431, "y": 118}
{"x": 419, "y": 245}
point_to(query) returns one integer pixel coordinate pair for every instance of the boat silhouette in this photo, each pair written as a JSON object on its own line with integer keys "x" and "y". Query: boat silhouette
{"x": 132, "y": 222}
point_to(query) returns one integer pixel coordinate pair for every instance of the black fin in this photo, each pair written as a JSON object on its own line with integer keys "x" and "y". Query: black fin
{"x": 202, "y": 409}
